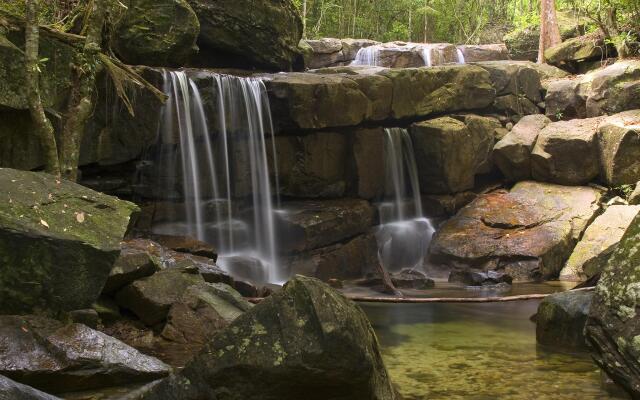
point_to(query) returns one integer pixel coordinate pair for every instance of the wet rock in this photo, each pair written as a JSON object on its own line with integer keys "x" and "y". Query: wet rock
{"x": 367, "y": 169}
{"x": 309, "y": 225}
{"x": 135, "y": 262}
{"x": 566, "y": 152}
{"x": 156, "y": 33}
{"x": 411, "y": 279}
{"x": 55, "y": 357}
{"x": 350, "y": 47}
{"x": 58, "y": 241}
{"x": 202, "y": 311}
{"x": 619, "y": 145}
{"x": 479, "y": 278}
{"x": 10, "y": 390}
{"x": 151, "y": 298}
{"x": 512, "y": 154}
{"x": 349, "y": 260}
{"x": 266, "y": 37}
{"x": 313, "y": 165}
{"x": 578, "y": 49}
{"x": 445, "y": 155}
{"x": 598, "y": 243}
{"x": 614, "y": 89}
{"x": 533, "y": 227}
{"x": 305, "y": 341}
{"x": 561, "y": 319}
{"x": 186, "y": 244}
{"x": 614, "y": 325}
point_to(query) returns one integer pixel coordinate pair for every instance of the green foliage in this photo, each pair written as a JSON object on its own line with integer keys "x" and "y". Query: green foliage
{"x": 50, "y": 12}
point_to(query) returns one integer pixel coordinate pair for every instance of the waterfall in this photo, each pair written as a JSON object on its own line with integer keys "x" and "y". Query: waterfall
{"x": 226, "y": 187}
{"x": 368, "y": 56}
{"x": 404, "y": 234}
{"x": 460, "y": 55}
{"x": 426, "y": 56}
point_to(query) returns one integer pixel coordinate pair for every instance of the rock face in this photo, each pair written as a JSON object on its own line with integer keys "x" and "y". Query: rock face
{"x": 151, "y": 298}
{"x": 512, "y": 153}
{"x": 58, "y": 242}
{"x": 306, "y": 341}
{"x": 135, "y": 262}
{"x": 614, "y": 325}
{"x": 54, "y": 357}
{"x": 566, "y": 152}
{"x": 567, "y": 98}
{"x": 263, "y": 33}
{"x": 10, "y": 390}
{"x": 619, "y": 145}
{"x": 528, "y": 233}
{"x": 598, "y": 242}
{"x": 561, "y": 319}
{"x": 156, "y": 33}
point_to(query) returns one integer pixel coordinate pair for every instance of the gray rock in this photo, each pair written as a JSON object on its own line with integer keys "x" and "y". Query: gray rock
{"x": 10, "y": 390}
{"x": 55, "y": 357}
{"x": 561, "y": 319}
{"x": 619, "y": 145}
{"x": 614, "y": 89}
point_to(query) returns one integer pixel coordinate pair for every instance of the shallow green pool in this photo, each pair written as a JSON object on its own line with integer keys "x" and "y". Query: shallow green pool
{"x": 479, "y": 351}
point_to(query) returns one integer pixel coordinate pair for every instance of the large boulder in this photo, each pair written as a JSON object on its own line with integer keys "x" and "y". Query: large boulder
{"x": 619, "y": 145}
{"x": 306, "y": 341}
{"x": 567, "y": 98}
{"x": 520, "y": 79}
{"x": 598, "y": 243}
{"x": 156, "y": 33}
{"x": 614, "y": 324}
{"x": 326, "y": 52}
{"x": 528, "y": 232}
{"x": 512, "y": 154}
{"x": 566, "y": 152}
{"x": 584, "y": 48}
{"x": 151, "y": 298}
{"x": 58, "y": 242}
{"x": 11, "y": 390}
{"x": 263, "y": 33}
{"x": 561, "y": 319}
{"x": 484, "y": 52}
{"x": 57, "y": 357}
{"x": 614, "y": 89}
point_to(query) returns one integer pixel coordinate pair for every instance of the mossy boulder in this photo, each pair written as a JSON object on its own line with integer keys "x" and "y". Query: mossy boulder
{"x": 583, "y": 48}
{"x": 561, "y": 319}
{"x": 262, "y": 33}
{"x": 156, "y": 33}
{"x": 614, "y": 89}
{"x": 58, "y": 242}
{"x": 613, "y": 327}
{"x": 306, "y": 341}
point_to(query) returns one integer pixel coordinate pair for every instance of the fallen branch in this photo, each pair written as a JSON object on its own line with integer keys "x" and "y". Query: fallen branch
{"x": 422, "y": 300}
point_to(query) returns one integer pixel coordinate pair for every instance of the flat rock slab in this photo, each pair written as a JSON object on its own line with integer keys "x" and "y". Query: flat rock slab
{"x": 528, "y": 232}
{"x": 601, "y": 238}
{"x": 55, "y": 357}
{"x": 58, "y": 242}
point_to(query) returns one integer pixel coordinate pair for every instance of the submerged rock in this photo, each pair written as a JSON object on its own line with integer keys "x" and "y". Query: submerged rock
{"x": 10, "y": 390}
{"x": 306, "y": 341}
{"x": 479, "y": 278}
{"x": 528, "y": 232}
{"x": 613, "y": 327}
{"x": 598, "y": 243}
{"x": 55, "y": 357}
{"x": 561, "y": 319}
{"x": 58, "y": 242}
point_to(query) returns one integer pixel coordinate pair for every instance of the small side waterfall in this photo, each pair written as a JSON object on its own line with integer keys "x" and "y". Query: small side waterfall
{"x": 426, "y": 56}
{"x": 226, "y": 187}
{"x": 404, "y": 234}
{"x": 368, "y": 56}
{"x": 460, "y": 54}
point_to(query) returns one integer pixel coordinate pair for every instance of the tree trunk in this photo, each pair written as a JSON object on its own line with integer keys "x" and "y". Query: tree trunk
{"x": 549, "y": 30}
{"x": 81, "y": 101}
{"x": 41, "y": 124}
{"x": 304, "y": 19}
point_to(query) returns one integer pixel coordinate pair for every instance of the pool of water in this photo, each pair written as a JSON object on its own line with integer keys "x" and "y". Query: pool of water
{"x": 483, "y": 351}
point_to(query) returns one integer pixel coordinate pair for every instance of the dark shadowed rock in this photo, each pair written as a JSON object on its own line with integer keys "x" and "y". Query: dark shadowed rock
{"x": 58, "y": 242}
{"x": 150, "y": 298}
{"x": 10, "y": 390}
{"x": 512, "y": 154}
{"x": 367, "y": 170}
{"x": 528, "y": 232}
{"x": 186, "y": 244}
{"x": 566, "y": 152}
{"x": 479, "y": 278}
{"x": 613, "y": 327}
{"x": 55, "y": 357}
{"x": 306, "y": 341}
{"x": 561, "y": 319}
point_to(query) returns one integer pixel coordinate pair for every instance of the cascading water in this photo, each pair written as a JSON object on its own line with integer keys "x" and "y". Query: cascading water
{"x": 460, "y": 55}
{"x": 426, "y": 55}
{"x": 225, "y": 185}
{"x": 404, "y": 234}
{"x": 368, "y": 56}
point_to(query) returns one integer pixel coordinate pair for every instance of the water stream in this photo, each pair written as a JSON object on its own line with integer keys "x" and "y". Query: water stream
{"x": 226, "y": 187}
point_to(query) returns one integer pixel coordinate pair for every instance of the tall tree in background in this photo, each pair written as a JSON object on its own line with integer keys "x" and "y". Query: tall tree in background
{"x": 549, "y": 30}
{"x": 41, "y": 124}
